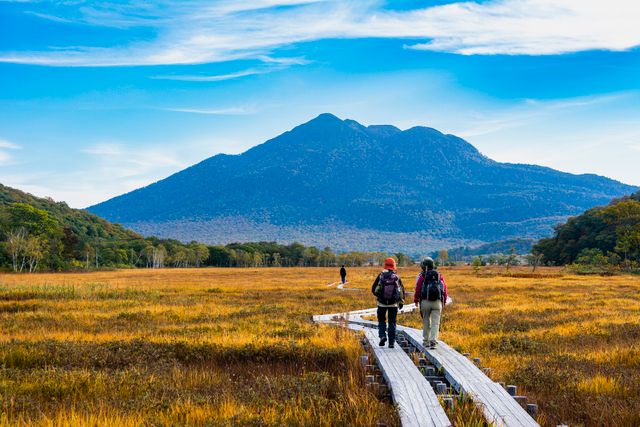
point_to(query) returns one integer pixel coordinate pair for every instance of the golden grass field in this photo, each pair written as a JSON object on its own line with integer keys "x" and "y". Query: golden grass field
{"x": 237, "y": 346}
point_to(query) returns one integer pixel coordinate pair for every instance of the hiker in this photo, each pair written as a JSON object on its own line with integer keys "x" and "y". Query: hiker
{"x": 343, "y": 274}
{"x": 430, "y": 297}
{"x": 389, "y": 292}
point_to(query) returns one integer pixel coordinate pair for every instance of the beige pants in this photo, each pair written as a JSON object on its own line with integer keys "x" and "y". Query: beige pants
{"x": 430, "y": 311}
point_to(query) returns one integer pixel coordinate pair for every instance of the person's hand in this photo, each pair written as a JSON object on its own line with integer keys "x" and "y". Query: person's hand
{"x": 400, "y": 306}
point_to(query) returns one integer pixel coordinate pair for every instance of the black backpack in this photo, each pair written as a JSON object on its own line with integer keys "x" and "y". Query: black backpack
{"x": 432, "y": 289}
{"x": 389, "y": 289}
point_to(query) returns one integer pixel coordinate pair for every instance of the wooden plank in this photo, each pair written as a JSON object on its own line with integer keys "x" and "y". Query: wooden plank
{"x": 491, "y": 394}
{"x": 417, "y": 403}
{"x": 466, "y": 377}
{"x": 497, "y": 405}
{"x": 405, "y": 394}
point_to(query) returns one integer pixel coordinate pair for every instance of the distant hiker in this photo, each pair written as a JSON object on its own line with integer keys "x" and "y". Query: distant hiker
{"x": 430, "y": 297}
{"x": 389, "y": 292}
{"x": 343, "y": 274}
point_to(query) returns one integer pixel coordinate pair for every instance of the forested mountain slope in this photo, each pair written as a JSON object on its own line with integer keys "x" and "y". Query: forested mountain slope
{"x": 338, "y": 183}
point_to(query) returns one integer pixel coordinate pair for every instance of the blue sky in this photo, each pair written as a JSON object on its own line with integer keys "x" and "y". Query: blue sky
{"x": 98, "y": 98}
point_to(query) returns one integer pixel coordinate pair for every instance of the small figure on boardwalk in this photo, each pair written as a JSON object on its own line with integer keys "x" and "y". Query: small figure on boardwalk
{"x": 430, "y": 297}
{"x": 389, "y": 292}
{"x": 343, "y": 274}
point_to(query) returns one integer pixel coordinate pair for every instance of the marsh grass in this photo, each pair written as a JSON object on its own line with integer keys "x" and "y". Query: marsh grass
{"x": 180, "y": 347}
{"x": 569, "y": 342}
{"x": 237, "y": 346}
{"x": 465, "y": 413}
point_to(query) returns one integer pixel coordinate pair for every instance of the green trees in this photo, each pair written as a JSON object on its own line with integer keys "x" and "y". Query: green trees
{"x": 271, "y": 254}
{"x": 613, "y": 231}
{"x": 40, "y": 234}
{"x": 477, "y": 264}
{"x": 30, "y": 236}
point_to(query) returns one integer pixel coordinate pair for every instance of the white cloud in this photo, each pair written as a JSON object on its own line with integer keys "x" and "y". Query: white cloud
{"x": 104, "y": 149}
{"x": 201, "y": 32}
{"x": 107, "y": 169}
{"x": 531, "y": 111}
{"x": 50, "y": 17}
{"x": 215, "y": 78}
{"x": 532, "y": 27}
{"x": 5, "y": 157}
{"x": 231, "y": 111}
{"x": 119, "y": 161}
{"x": 9, "y": 145}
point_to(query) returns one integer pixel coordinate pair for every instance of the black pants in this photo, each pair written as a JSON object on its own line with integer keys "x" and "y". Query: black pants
{"x": 382, "y": 326}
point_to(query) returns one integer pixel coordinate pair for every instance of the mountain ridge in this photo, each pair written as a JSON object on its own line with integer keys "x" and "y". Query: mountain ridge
{"x": 377, "y": 177}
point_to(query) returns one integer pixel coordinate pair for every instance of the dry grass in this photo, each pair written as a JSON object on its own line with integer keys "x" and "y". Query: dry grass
{"x": 571, "y": 343}
{"x": 237, "y": 347}
{"x": 179, "y": 347}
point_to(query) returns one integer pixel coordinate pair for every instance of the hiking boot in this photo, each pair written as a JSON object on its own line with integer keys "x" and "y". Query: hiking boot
{"x": 432, "y": 344}
{"x": 391, "y": 345}
{"x": 383, "y": 340}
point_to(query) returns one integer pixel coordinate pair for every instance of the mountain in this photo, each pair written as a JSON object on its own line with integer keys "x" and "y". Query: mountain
{"x": 338, "y": 183}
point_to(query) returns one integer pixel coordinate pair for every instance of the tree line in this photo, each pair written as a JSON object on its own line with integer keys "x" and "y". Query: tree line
{"x": 271, "y": 254}
{"x": 34, "y": 239}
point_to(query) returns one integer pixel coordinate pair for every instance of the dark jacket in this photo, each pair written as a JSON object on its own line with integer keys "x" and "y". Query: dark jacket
{"x": 400, "y": 288}
{"x": 343, "y": 272}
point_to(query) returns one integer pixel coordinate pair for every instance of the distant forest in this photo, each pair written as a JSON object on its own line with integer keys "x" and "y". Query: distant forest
{"x": 466, "y": 253}
{"x": 604, "y": 235}
{"x": 43, "y": 235}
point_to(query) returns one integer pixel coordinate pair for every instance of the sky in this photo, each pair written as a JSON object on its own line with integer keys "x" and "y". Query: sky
{"x": 100, "y": 98}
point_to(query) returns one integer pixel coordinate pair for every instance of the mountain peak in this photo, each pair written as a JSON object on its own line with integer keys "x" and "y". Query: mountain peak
{"x": 325, "y": 118}
{"x": 330, "y": 178}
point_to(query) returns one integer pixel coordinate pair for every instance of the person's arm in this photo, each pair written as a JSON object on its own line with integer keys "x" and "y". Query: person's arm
{"x": 444, "y": 293}
{"x": 402, "y": 294}
{"x": 375, "y": 283}
{"x": 416, "y": 295}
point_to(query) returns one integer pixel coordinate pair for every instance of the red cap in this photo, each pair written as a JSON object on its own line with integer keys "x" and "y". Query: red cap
{"x": 390, "y": 264}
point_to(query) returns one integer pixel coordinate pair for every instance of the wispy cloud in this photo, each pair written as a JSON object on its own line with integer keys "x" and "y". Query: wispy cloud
{"x": 50, "y": 17}
{"x": 200, "y": 32}
{"x": 106, "y": 169}
{"x": 122, "y": 161}
{"x": 215, "y": 78}
{"x": 5, "y": 156}
{"x": 232, "y": 111}
{"x": 529, "y": 111}
{"x": 271, "y": 65}
{"x": 9, "y": 145}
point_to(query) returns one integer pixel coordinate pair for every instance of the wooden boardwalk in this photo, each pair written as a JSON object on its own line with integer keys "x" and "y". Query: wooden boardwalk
{"x": 498, "y": 406}
{"x": 417, "y": 403}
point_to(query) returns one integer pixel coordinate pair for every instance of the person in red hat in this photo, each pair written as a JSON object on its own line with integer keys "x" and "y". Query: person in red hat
{"x": 389, "y": 292}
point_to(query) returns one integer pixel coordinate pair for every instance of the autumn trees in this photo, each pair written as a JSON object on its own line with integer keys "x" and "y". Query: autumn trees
{"x": 609, "y": 234}
{"x": 32, "y": 238}
{"x": 30, "y": 235}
